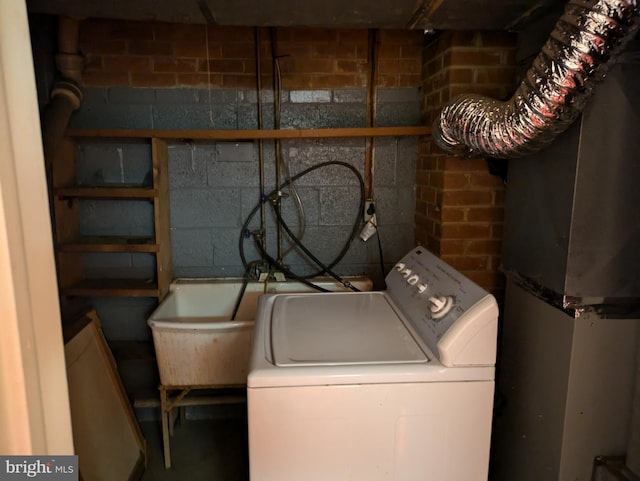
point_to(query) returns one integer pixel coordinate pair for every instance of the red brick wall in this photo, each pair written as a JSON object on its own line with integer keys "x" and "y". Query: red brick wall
{"x": 155, "y": 54}
{"x": 459, "y": 205}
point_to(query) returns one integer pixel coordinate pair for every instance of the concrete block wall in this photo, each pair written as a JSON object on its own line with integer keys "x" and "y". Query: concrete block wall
{"x": 459, "y": 204}
{"x": 215, "y": 185}
{"x": 231, "y": 109}
{"x": 218, "y": 197}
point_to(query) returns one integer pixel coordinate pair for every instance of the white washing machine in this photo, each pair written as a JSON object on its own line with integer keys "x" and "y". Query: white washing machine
{"x": 373, "y": 386}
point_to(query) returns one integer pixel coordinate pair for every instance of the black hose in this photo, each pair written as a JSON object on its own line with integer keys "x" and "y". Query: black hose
{"x": 317, "y": 261}
{"x": 245, "y": 281}
{"x": 245, "y": 233}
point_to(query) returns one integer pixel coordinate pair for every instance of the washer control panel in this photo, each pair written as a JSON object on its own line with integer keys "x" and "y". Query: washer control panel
{"x": 439, "y": 304}
{"x": 445, "y": 308}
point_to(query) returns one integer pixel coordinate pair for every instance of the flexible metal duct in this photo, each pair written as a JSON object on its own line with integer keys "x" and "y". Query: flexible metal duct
{"x": 577, "y": 55}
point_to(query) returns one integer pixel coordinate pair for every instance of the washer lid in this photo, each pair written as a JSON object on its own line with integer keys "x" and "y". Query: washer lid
{"x": 335, "y": 329}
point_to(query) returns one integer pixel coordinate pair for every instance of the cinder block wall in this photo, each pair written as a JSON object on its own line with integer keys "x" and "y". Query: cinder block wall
{"x": 459, "y": 204}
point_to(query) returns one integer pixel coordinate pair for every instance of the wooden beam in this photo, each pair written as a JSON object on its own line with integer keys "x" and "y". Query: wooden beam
{"x": 252, "y": 134}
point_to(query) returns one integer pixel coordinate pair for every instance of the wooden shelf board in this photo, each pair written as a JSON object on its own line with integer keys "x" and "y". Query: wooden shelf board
{"x": 107, "y": 192}
{"x": 252, "y": 134}
{"x": 110, "y": 244}
{"x": 113, "y": 287}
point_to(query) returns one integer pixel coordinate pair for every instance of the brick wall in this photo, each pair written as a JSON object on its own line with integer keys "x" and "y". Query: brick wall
{"x": 459, "y": 204}
{"x": 155, "y": 54}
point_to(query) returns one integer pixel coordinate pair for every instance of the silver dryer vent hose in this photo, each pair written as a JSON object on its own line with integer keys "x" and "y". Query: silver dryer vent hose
{"x": 580, "y": 50}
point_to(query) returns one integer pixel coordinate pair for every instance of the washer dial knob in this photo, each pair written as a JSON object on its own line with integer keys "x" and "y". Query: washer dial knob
{"x": 440, "y": 305}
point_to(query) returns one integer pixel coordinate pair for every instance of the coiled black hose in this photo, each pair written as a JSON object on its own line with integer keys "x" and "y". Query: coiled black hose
{"x": 317, "y": 261}
{"x": 323, "y": 268}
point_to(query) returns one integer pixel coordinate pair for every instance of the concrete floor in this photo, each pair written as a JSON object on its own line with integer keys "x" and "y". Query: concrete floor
{"x": 203, "y": 449}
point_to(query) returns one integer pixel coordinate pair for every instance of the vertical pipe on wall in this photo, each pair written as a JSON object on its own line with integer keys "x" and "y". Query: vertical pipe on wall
{"x": 263, "y": 238}
{"x": 66, "y": 95}
{"x": 372, "y": 40}
{"x": 277, "y": 87}
{"x": 68, "y": 62}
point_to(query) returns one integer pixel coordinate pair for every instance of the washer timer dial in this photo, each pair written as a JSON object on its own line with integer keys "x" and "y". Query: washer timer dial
{"x": 440, "y": 305}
